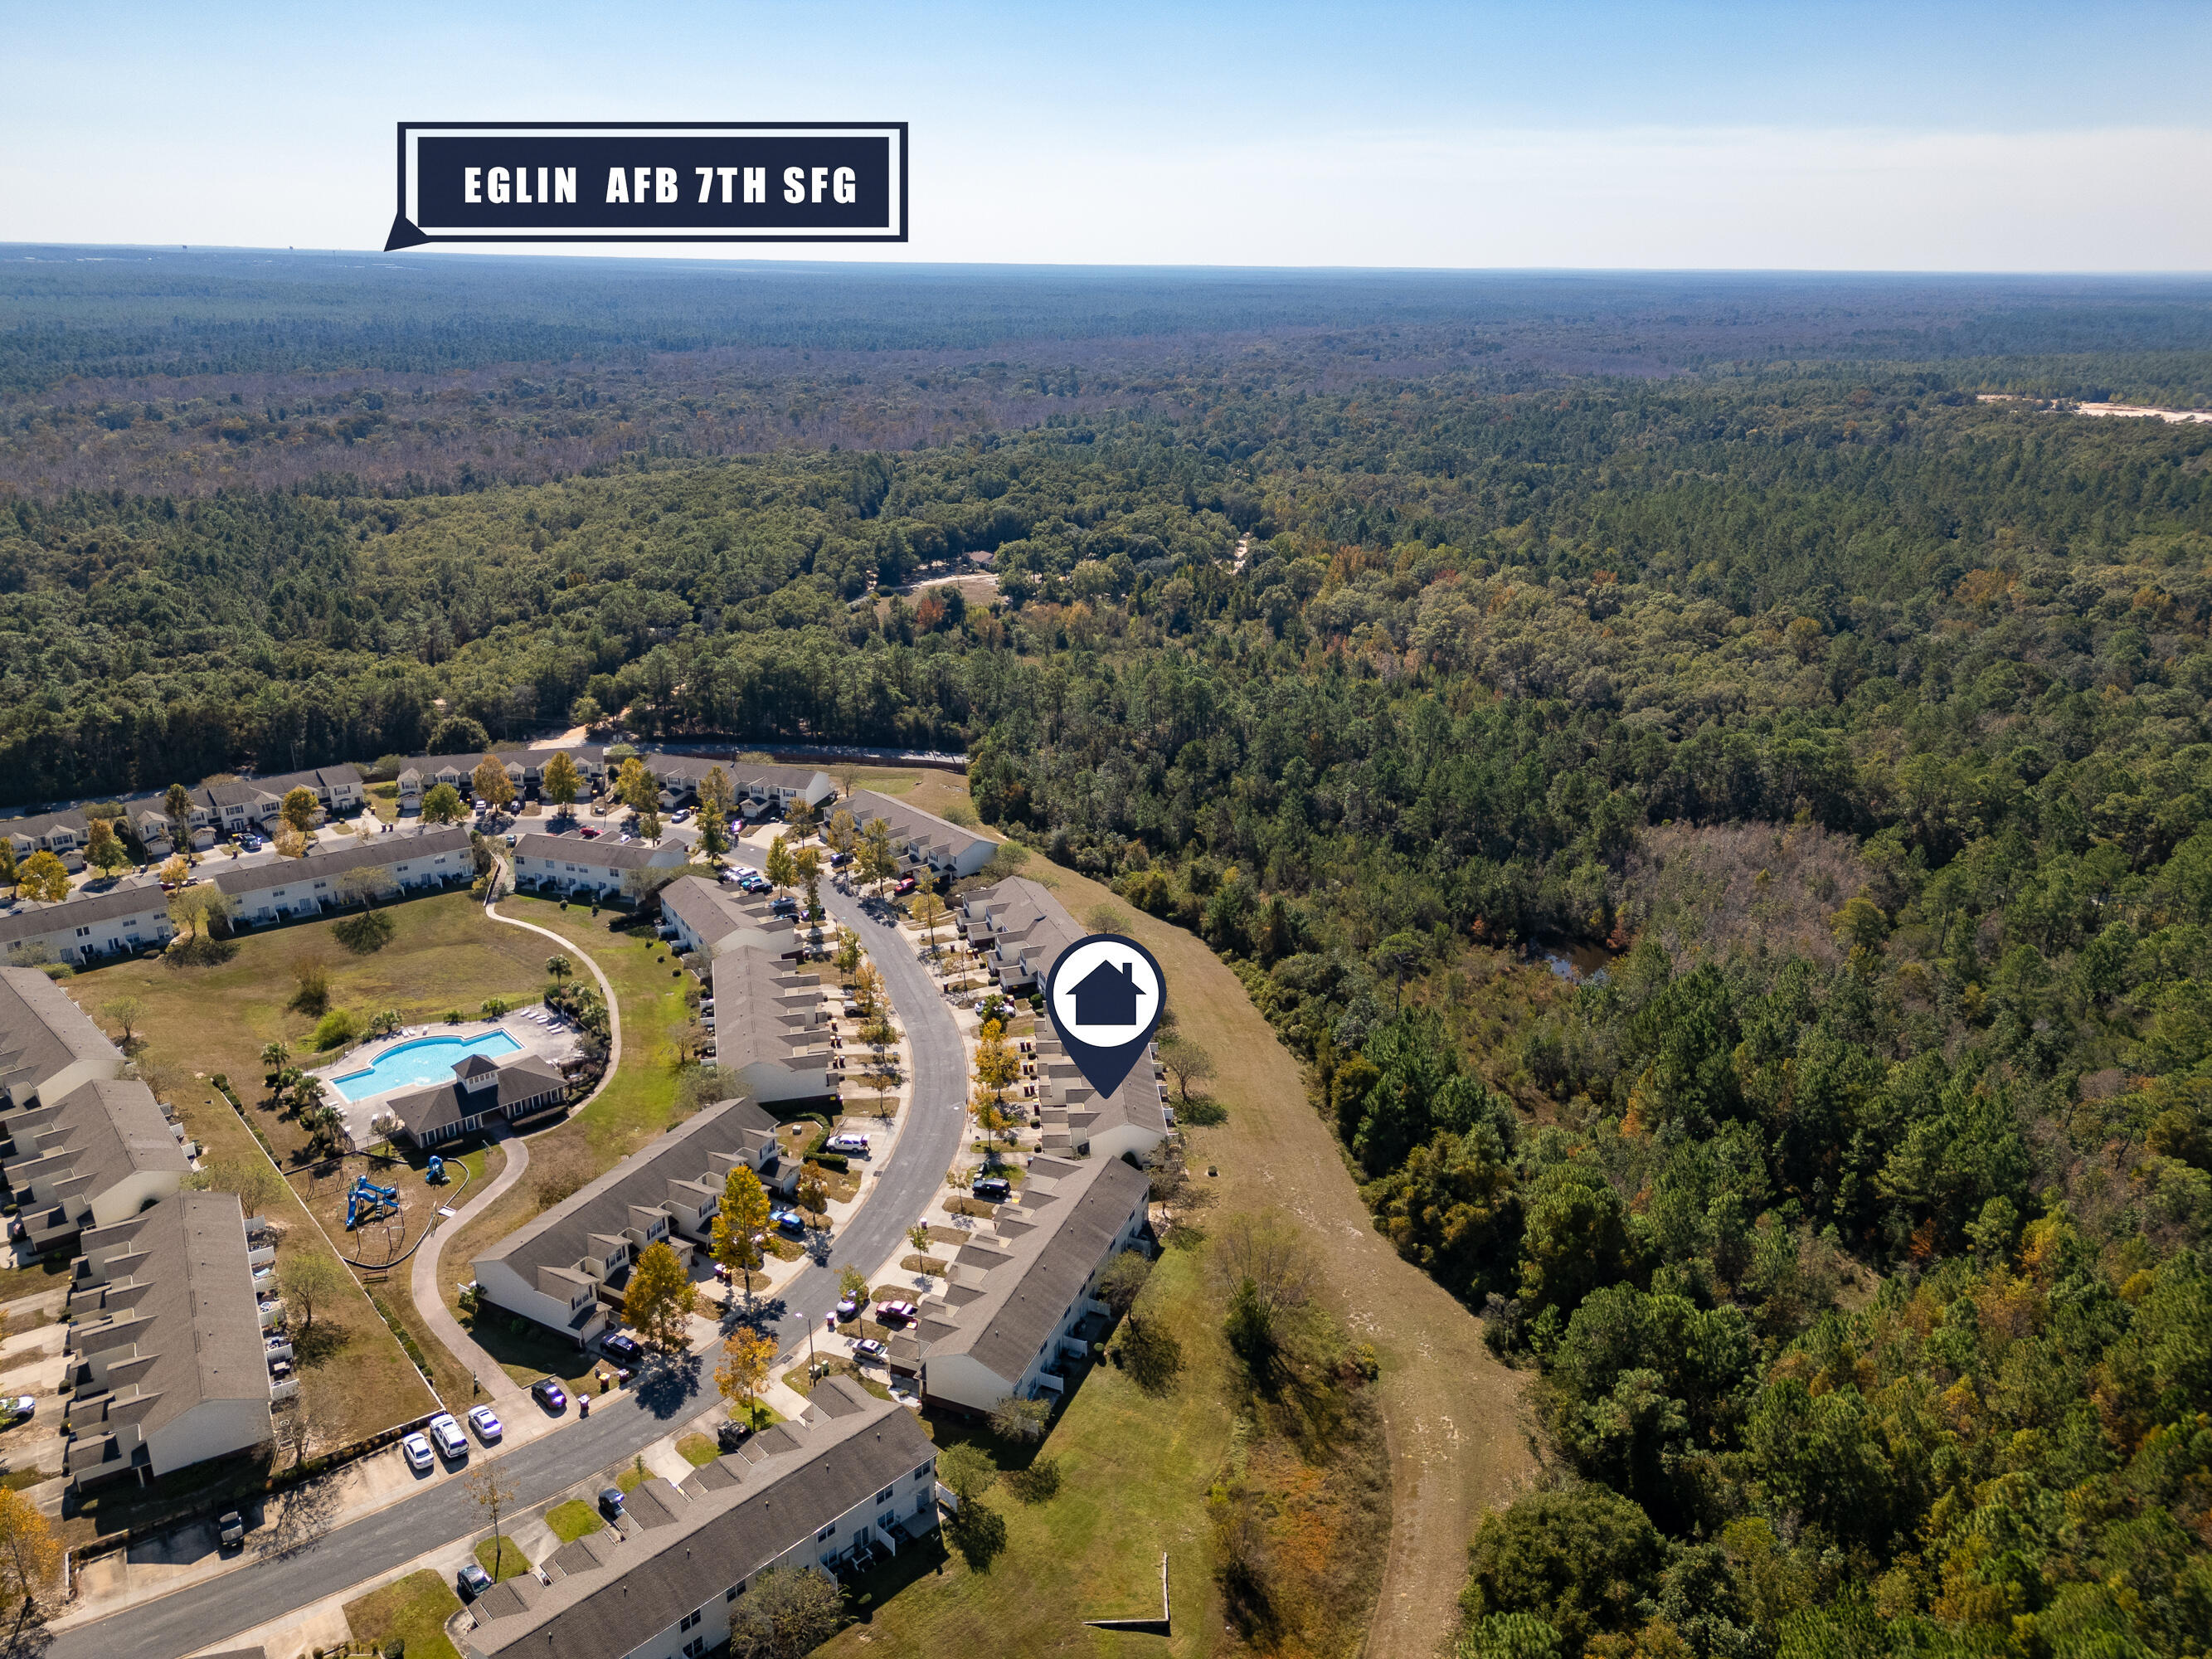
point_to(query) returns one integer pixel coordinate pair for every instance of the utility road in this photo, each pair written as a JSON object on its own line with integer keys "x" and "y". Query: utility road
{"x": 665, "y": 1399}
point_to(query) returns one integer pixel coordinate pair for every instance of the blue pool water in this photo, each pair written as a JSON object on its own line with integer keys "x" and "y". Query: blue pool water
{"x": 426, "y": 1059}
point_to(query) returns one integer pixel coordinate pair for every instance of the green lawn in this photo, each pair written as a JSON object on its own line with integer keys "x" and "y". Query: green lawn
{"x": 414, "y": 1609}
{"x": 698, "y": 1450}
{"x": 572, "y": 1520}
{"x": 641, "y": 1102}
{"x": 443, "y": 954}
{"x": 632, "y": 1477}
{"x": 1135, "y": 1472}
{"x": 47, "y": 1274}
{"x": 510, "y": 1560}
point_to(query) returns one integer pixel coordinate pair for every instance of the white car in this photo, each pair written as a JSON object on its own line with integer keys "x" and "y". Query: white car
{"x": 486, "y": 1422}
{"x": 849, "y": 1143}
{"x": 420, "y": 1458}
{"x": 447, "y": 1433}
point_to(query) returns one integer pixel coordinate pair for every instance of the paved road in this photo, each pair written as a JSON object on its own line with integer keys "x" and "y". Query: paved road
{"x": 621, "y": 1425}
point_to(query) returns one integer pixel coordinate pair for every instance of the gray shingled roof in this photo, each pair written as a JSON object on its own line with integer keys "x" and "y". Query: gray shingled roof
{"x": 712, "y": 1534}
{"x": 195, "y": 1321}
{"x": 604, "y": 852}
{"x": 99, "y": 1133}
{"x": 43, "y": 1033}
{"x": 1072, "y": 1210}
{"x": 560, "y": 1237}
{"x": 439, "y": 1105}
{"x": 911, "y": 823}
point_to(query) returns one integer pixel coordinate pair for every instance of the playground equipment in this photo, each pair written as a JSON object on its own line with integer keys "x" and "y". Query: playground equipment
{"x": 436, "y": 1175}
{"x": 366, "y": 1201}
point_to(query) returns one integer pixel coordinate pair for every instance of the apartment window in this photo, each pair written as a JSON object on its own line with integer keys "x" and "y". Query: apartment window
{"x": 887, "y": 1520}
{"x": 884, "y": 1496}
{"x": 694, "y": 1647}
{"x": 734, "y": 1591}
{"x": 690, "y": 1620}
{"x": 84, "y": 932}
{"x": 828, "y": 1532}
{"x": 925, "y": 1470}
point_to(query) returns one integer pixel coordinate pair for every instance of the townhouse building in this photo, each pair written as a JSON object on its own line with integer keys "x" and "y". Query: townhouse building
{"x": 48, "y": 1046}
{"x": 425, "y": 860}
{"x": 131, "y": 915}
{"x": 1018, "y": 929}
{"x": 254, "y": 803}
{"x": 1017, "y": 1296}
{"x": 849, "y": 1479}
{"x": 91, "y": 1158}
{"x": 771, "y": 1026}
{"x": 598, "y": 869}
{"x": 922, "y": 840}
{"x": 167, "y": 1362}
{"x": 567, "y": 1268}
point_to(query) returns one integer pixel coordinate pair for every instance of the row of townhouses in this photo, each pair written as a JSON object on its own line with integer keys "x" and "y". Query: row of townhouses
{"x": 566, "y": 1269}
{"x": 217, "y": 809}
{"x": 757, "y": 786}
{"x": 168, "y": 1351}
{"x": 83, "y": 1145}
{"x": 165, "y": 1355}
{"x": 770, "y": 1024}
{"x": 851, "y": 1478}
{"x": 921, "y": 840}
{"x": 134, "y": 914}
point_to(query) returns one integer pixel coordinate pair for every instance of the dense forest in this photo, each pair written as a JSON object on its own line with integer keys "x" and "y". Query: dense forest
{"x": 1732, "y": 839}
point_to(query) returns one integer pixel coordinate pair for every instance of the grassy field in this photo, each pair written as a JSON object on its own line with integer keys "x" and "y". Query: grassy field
{"x": 413, "y": 1610}
{"x": 1134, "y": 1471}
{"x": 442, "y": 955}
{"x": 698, "y": 1450}
{"x": 572, "y": 1520}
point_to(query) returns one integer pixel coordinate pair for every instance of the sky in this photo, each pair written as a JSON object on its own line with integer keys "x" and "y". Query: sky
{"x": 1924, "y": 136}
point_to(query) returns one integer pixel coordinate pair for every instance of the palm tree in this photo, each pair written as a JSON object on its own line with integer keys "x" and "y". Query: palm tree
{"x": 275, "y": 1054}
{"x": 559, "y": 967}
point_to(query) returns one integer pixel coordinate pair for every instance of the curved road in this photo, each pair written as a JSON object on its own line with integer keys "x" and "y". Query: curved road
{"x": 664, "y": 1401}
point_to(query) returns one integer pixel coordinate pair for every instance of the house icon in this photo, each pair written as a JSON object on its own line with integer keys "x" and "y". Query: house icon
{"x": 1107, "y": 996}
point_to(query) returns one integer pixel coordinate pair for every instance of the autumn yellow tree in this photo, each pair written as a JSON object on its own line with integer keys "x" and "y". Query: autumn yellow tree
{"x": 561, "y": 783}
{"x": 747, "y": 1358}
{"x": 635, "y": 789}
{"x": 42, "y": 876}
{"x": 30, "y": 1554}
{"x": 739, "y": 1218}
{"x": 298, "y": 810}
{"x": 491, "y": 782}
{"x": 659, "y": 1298}
{"x": 997, "y": 1066}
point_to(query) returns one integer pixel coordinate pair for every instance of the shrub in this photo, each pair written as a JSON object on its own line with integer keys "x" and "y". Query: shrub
{"x": 336, "y": 1029}
{"x": 454, "y": 1017}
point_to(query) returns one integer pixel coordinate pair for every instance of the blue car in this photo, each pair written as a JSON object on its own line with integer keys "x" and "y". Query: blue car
{"x": 791, "y": 1221}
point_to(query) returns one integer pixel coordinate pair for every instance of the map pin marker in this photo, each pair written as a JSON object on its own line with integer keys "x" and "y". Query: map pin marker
{"x": 1104, "y": 998}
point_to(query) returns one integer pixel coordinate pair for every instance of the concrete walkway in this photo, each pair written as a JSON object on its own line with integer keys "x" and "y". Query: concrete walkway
{"x": 423, "y": 1279}
{"x": 423, "y": 1282}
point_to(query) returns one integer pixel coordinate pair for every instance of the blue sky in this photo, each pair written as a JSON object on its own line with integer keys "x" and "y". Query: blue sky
{"x": 1958, "y": 136}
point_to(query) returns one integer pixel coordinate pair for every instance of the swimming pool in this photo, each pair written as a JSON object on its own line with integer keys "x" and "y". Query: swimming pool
{"x": 425, "y": 1060}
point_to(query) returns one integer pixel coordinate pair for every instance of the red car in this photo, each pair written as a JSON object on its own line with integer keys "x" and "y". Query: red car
{"x": 589, "y": 832}
{"x": 906, "y": 884}
{"x": 889, "y": 1312}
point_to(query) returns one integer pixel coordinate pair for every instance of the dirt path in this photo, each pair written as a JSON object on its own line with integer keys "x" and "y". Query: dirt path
{"x": 1458, "y": 1446}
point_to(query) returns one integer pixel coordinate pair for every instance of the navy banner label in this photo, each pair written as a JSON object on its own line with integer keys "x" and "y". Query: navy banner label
{"x": 713, "y": 181}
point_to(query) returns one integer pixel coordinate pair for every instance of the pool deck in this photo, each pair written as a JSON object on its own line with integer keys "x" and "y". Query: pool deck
{"x": 553, "y": 1043}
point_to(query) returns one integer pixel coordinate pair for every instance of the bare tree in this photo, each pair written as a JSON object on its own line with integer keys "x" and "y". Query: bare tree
{"x": 492, "y": 1491}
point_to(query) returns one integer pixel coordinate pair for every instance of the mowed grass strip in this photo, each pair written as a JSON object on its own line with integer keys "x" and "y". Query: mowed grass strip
{"x": 572, "y": 1520}
{"x": 412, "y": 1610}
{"x": 1134, "y": 1471}
{"x": 502, "y": 1557}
